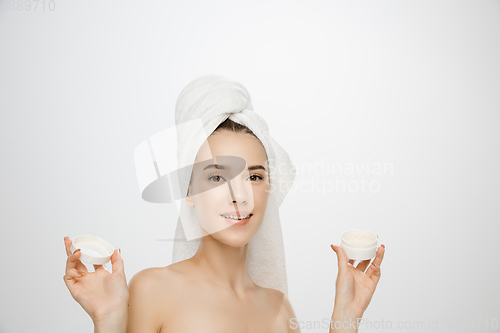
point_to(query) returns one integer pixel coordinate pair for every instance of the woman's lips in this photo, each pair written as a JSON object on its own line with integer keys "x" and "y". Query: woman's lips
{"x": 237, "y": 212}
{"x": 237, "y": 222}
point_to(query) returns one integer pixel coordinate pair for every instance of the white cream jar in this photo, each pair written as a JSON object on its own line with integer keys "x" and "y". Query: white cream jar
{"x": 359, "y": 244}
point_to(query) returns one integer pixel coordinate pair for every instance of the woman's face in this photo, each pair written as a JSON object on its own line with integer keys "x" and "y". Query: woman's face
{"x": 239, "y": 186}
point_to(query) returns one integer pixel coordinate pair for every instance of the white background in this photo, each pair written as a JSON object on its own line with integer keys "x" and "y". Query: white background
{"x": 413, "y": 84}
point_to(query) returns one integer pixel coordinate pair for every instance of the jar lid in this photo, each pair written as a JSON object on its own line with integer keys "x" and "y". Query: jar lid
{"x": 95, "y": 250}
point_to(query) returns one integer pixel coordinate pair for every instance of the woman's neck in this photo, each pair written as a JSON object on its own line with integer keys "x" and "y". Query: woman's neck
{"x": 224, "y": 265}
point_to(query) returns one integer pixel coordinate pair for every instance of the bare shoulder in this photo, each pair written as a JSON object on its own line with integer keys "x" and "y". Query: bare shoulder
{"x": 152, "y": 294}
{"x": 154, "y": 275}
{"x": 151, "y": 276}
{"x": 278, "y": 296}
{"x": 286, "y": 309}
{"x": 156, "y": 282}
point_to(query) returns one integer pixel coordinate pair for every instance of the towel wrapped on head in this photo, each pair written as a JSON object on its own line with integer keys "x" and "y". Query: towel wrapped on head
{"x": 212, "y": 99}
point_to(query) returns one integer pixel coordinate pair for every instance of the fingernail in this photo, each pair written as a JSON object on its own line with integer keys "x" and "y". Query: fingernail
{"x": 120, "y": 250}
{"x": 333, "y": 248}
{"x": 383, "y": 246}
{"x": 77, "y": 251}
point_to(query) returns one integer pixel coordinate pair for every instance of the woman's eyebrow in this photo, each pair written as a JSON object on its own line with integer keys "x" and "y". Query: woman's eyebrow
{"x": 221, "y": 167}
{"x": 256, "y": 167}
{"x": 214, "y": 166}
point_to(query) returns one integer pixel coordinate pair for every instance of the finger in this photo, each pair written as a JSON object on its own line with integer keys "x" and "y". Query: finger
{"x": 72, "y": 259}
{"x": 79, "y": 265}
{"x": 96, "y": 267}
{"x": 117, "y": 262}
{"x": 67, "y": 244}
{"x": 380, "y": 255}
{"x": 72, "y": 276}
{"x": 352, "y": 261}
{"x": 341, "y": 258}
{"x": 373, "y": 271}
{"x": 363, "y": 264}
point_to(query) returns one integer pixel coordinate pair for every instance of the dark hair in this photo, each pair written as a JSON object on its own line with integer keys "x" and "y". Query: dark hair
{"x": 230, "y": 125}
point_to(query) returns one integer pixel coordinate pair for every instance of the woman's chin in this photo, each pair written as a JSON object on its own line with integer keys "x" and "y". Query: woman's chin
{"x": 234, "y": 241}
{"x": 232, "y": 237}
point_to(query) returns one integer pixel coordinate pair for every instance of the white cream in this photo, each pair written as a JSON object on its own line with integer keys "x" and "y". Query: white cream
{"x": 359, "y": 238}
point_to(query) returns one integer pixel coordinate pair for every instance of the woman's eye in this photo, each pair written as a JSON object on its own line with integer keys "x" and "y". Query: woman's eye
{"x": 217, "y": 178}
{"x": 258, "y": 176}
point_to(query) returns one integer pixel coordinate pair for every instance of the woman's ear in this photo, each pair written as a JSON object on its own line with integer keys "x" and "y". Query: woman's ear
{"x": 188, "y": 200}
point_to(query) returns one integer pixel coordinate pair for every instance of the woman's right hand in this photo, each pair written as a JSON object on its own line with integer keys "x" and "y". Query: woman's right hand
{"x": 100, "y": 293}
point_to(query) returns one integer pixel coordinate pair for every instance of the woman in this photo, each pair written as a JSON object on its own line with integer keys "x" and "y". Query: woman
{"x": 213, "y": 290}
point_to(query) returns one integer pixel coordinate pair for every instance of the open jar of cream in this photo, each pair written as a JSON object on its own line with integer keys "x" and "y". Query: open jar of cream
{"x": 359, "y": 244}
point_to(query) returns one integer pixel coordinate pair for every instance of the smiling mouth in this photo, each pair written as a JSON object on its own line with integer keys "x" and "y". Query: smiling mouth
{"x": 237, "y": 217}
{"x": 238, "y": 220}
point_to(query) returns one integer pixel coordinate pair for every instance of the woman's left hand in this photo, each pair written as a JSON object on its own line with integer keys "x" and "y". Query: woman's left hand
{"x": 354, "y": 286}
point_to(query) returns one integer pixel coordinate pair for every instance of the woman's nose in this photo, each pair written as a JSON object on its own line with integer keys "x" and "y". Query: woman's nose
{"x": 240, "y": 190}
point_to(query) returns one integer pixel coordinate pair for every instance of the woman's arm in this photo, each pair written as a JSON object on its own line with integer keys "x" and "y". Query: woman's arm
{"x": 354, "y": 289}
{"x": 143, "y": 307}
{"x": 116, "y": 323}
{"x": 139, "y": 316}
{"x": 344, "y": 321}
{"x": 103, "y": 295}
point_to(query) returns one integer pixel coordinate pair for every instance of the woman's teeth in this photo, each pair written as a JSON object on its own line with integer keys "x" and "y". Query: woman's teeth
{"x": 234, "y": 217}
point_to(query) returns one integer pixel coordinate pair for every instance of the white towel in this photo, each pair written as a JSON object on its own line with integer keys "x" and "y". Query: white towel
{"x": 201, "y": 106}
{"x": 213, "y": 99}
